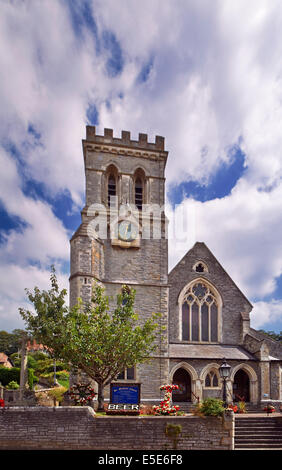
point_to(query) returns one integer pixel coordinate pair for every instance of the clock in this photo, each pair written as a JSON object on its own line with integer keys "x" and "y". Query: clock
{"x": 125, "y": 234}
{"x": 127, "y": 231}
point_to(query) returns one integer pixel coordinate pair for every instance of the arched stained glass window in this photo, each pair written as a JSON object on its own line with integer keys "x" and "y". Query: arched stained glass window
{"x": 200, "y": 314}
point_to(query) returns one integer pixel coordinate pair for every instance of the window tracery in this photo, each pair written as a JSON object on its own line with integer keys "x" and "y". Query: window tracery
{"x": 200, "y": 314}
{"x": 212, "y": 379}
{"x": 200, "y": 267}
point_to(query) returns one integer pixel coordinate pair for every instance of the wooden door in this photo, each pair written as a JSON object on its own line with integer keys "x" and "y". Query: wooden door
{"x": 183, "y": 380}
{"x": 241, "y": 386}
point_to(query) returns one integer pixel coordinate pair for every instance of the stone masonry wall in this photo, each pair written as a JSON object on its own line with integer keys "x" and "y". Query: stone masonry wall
{"x": 234, "y": 302}
{"x": 77, "y": 428}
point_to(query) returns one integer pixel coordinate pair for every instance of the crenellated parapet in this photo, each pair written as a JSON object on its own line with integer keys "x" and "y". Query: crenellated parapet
{"x": 125, "y": 140}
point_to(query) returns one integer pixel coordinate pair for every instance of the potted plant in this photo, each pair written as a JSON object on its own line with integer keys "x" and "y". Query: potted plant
{"x": 233, "y": 408}
{"x": 242, "y": 407}
{"x": 269, "y": 408}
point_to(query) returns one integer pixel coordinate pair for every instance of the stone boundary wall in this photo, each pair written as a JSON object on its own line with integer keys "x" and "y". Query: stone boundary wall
{"x": 71, "y": 427}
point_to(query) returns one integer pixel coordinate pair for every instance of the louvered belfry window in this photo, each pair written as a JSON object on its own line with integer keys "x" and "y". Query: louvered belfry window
{"x": 138, "y": 193}
{"x": 112, "y": 188}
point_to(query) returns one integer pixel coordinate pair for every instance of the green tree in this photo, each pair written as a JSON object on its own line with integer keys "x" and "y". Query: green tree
{"x": 10, "y": 342}
{"x": 103, "y": 344}
{"x": 98, "y": 342}
{"x": 46, "y": 323}
{"x": 273, "y": 335}
{"x": 5, "y": 340}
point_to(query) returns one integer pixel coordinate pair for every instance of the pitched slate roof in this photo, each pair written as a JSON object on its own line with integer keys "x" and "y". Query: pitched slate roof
{"x": 209, "y": 351}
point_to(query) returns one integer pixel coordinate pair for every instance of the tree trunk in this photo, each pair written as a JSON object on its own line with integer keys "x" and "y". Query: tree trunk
{"x": 100, "y": 397}
{"x": 23, "y": 373}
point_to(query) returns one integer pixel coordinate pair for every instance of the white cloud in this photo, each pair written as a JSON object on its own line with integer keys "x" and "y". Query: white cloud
{"x": 243, "y": 230}
{"x": 14, "y": 280}
{"x": 47, "y": 77}
{"x": 266, "y": 313}
{"x": 42, "y": 240}
{"x": 214, "y": 79}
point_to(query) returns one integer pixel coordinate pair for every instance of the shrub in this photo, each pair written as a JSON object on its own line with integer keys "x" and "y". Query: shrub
{"x": 31, "y": 362}
{"x": 211, "y": 407}
{"x": 59, "y": 367}
{"x": 63, "y": 375}
{"x": 13, "y": 385}
{"x": 13, "y": 375}
{"x": 39, "y": 356}
{"x": 9, "y": 375}
{"x": 57, "y": 393}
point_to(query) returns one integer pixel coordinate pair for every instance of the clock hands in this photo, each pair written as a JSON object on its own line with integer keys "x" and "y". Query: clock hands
{"x": 127, "y": 231}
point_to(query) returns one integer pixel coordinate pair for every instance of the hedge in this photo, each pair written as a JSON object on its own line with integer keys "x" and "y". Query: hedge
{"x": 13, "y": 374}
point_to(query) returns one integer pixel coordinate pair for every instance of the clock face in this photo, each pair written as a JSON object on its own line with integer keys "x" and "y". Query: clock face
{"x": 127, "y": 231}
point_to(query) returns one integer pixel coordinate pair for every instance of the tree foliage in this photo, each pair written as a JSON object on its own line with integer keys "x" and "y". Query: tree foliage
{"x": 273, "y": 335}
{"x": 10, "y": 342}
{"x": 47, "y": 322}
{"x": 91, "y": 337}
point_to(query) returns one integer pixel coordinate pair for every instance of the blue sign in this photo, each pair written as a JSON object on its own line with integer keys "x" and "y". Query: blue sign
{"x": 125, "y": 393}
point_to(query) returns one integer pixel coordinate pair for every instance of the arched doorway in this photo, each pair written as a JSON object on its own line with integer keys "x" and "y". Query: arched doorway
{"x": 241, "y": 386}
{"x": 182, "y": 378}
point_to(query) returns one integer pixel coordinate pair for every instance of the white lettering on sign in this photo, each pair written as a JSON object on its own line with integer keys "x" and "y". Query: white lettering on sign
{"x": 121, "y": 406}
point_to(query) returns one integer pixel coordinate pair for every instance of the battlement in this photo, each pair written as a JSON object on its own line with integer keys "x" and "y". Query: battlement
{"x": 125, "y": 140}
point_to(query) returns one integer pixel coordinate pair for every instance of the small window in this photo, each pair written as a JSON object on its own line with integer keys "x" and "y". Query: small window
{"x": 127, "y": 374}
{"x": 130, "y": 373}
{"x": 125, "y": 290}
{"x": 211, "y": 379}
{"x": 121, "y": 375}
{"x": 208, "y": 380}
{"x": 200, "y": 267}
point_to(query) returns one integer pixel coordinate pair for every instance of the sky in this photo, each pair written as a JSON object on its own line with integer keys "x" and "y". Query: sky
{"x": 205, "y": 74}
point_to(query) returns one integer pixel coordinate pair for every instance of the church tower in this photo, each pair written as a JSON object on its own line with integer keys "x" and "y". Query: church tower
{"x": 122, "y": 236}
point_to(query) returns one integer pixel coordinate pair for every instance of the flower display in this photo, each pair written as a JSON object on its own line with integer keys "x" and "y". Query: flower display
{"x": 82, "y": 394}
{"x": 165, "y": 408}
{"x": 233, "y": 407}
{"x": 2, "y": 403}
{"x": 269, "y": 409}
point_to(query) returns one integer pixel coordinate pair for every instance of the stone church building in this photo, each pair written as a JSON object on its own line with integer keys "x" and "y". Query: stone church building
{"x": 207, "y": 317}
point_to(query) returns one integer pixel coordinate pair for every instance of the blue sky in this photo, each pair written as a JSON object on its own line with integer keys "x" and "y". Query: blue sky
{"x": 203, "y": 74}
